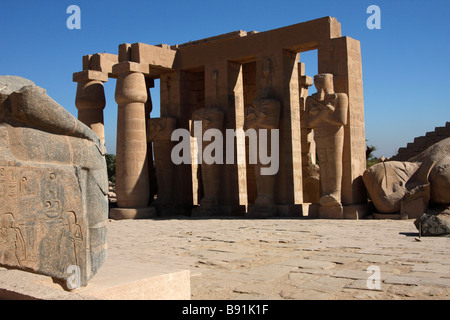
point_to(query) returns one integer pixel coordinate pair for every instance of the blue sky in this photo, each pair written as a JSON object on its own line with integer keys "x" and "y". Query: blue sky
{"x": 405, "y": 64}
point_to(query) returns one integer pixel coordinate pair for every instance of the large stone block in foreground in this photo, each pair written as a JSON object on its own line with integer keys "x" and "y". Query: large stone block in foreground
{"x": 53, "y": 186}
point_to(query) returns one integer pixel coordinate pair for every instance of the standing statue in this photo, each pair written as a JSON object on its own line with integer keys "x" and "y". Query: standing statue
{"x": 160, "y": 132}
{"x": 327, "y": 114}
{"x": 265, "y": 115}
{"x": 210, "y": 118}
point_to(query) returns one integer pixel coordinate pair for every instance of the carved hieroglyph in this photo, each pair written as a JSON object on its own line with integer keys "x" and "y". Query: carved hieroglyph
{"x": 327, "y": 114}
{"x": 53, "y": 187}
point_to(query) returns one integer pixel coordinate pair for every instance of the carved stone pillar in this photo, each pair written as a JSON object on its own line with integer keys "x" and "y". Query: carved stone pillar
{"x": 327, "y": 114}
{"x": 263, "y": 115}
{"x": 310, "y": 170}
{"x": 132, "y": 185}
{"x": 210, "y": 118}
{"x": 342, "y": 58}
{"x": 90, "y": 100}
{"x": 160, "y": 132}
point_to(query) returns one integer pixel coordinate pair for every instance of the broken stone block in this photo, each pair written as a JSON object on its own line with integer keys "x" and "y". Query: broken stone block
{"x": 409, "y": 187}
{"x": 434, "y": 222}
{"x": 53, "y": 187}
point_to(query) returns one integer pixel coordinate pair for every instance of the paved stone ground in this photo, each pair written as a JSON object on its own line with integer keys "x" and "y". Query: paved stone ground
{"x": 291, "y": 258}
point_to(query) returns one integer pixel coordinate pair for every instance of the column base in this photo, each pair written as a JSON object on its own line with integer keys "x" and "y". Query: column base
{"x": 356, "y": 211}
{"x": 132, "y": 213}
{"x": 277, "y": 210}
{"x": 258, "y": 211}
{"x": 291, "y": 210}
{"x": 311, "y": 210}
{"x": 211, "y": 211}
{"x": 335, "y": 212}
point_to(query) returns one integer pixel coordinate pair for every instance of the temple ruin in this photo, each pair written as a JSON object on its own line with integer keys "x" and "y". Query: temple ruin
{"x": 221, "y": 81}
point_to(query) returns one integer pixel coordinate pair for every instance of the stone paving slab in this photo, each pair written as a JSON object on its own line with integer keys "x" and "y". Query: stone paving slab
{"x": 289, "y": 258}
{"x": 293, "y": 258}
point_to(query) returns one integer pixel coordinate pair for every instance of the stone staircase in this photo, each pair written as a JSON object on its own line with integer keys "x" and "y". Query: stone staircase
{"x": 421, "y": 143}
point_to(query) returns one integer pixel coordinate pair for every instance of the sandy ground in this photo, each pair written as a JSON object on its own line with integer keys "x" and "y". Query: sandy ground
{"x": 291, "y": 258}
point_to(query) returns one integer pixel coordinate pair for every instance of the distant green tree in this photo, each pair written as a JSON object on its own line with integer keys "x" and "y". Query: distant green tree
{"x": 370, "y": 157}
{"x": 111, "y": 167}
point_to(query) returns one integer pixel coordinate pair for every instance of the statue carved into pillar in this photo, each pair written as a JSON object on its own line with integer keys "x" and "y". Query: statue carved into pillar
{"x": 327, "y": 114}
{"x": 264, "y": 114}
{"x": 160, "y": 132}
{"x": 210, "y": 118}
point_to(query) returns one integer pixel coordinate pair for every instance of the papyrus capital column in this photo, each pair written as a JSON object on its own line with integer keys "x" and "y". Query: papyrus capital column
{"x": 132, "y": 183}
{"x": 90, "y": 99}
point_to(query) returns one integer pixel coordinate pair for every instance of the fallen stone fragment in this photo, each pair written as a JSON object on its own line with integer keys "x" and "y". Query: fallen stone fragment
{"x": 432, "y": 224}
{"x": 53, "y": 187}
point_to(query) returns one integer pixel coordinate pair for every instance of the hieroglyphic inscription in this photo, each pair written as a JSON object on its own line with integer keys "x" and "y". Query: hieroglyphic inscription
{"x": 40, "y": 227}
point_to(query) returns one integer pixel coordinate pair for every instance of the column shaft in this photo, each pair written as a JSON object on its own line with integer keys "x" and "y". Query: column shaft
{"x": 132, "y": 186}
{"x": 342, "y": 58}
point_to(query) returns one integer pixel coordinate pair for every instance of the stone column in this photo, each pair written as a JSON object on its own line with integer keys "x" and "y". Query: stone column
{"x": 310, "y": 170}
{"x": 160, "y": 132}
{"x": 132, "y": 185}
{"x": 224, "y": 91}
{"x": 342, "y": 58}
{"x": 209, "y": 118}
{"x": 90, "y": 100}
{"x": 326, "y": 112}
{"x": 277, "y": 78}
{"x": 178, "y": 101}
{"x": 263, "y": 115}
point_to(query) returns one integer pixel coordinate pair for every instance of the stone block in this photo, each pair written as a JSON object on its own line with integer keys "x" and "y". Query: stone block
{"x": 90, "y": 75}
{"x": 336, "y": 212}
{"x": 53, "y": 187}
{"x": 430, "y": 224}
{"x": 132, "y": 213}
{"x": 128, "y": 66}
{"x": 358, "y": 211}
{"x": 113, "y": 282}
{"x": 413, "y": 209}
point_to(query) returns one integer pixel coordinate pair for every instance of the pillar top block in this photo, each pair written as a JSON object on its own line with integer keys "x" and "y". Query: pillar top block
{"x": 238, "y": 46}
{"x": 129, "y": 66}
{"x": 100, "y": 62}
{"x": 90, "y": 75}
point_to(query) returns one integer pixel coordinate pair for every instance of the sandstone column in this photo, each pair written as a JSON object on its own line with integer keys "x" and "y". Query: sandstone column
{"x": 90, "y": 100}
{"x": 209, "y": 118}
{"x": 277, "y": 78}
{"x": 224, "y": 91}
{"x": 326, "y": 112}
{"x": 310, "y": 170}
{"x": 342, "y": 57}
{"x": 178, "y": 100}
{"x": 263, "y": 115}
{"x": 159, "y": 132}
{"x": 132, "y": 186}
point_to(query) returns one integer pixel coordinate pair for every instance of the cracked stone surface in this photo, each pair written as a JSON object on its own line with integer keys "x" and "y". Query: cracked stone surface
{"x": 290, "y": 258}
